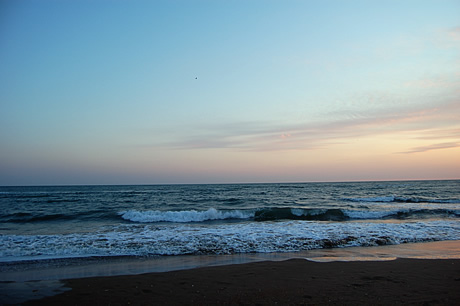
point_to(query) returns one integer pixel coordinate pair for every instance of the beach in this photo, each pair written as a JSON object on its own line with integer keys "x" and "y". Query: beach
{"x": 417, "y": 273}
{"x": 228, "y": 244}
{"x": 290, "y": 282}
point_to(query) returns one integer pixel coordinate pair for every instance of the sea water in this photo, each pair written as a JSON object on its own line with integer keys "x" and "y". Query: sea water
{"x": 71, "y": 222}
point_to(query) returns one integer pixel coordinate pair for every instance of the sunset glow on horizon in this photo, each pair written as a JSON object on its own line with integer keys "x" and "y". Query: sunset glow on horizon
{"x": 160, "y": 92}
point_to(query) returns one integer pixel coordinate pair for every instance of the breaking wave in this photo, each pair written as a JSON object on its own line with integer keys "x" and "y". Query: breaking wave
{"x": 184, "y": 216}
{"x": 275, "y": 214}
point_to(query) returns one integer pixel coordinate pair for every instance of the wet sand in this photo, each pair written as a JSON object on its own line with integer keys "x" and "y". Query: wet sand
{"x": 290, "y": 282}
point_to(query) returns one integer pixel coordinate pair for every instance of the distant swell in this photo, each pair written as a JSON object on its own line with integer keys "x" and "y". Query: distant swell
{"x": 27, "y": 217}
{"x": 35, "y": 218}
{"x": 396, "y": 199}
{"x": 402, "y": 214}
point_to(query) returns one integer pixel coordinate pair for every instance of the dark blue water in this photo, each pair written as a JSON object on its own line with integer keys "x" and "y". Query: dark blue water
{"x": 80, "y": 221}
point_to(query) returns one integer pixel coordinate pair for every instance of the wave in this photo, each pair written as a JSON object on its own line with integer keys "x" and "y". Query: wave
{"x": 300, "y": 214}
{"x": 184, "y": 216}
{"x": 272, "y": 214}
{"x": 276, "y": 214}
{"x": 258, "y": 215}
{"x": 396, "y": 199}
{"x": 269, "y": 214}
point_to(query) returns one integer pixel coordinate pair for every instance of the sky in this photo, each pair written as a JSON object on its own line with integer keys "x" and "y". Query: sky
{"x": 160, "y": 92}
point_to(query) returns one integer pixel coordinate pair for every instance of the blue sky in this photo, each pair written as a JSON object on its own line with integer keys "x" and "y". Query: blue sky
{"x": 129, "y": 92}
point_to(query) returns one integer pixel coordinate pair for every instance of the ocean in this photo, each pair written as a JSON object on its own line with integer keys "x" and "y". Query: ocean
{"x": 70, "y": 222}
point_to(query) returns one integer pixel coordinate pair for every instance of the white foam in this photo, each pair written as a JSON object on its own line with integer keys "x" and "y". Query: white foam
{"x": 247, "y": 237}
{"x": 361, "y": 214}
{"x": 183, "y": 216}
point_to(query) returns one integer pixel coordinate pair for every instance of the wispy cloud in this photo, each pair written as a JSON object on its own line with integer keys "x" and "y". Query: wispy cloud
{"x": 453, "y": 133}
{"x": 437, "y": 146}
{"x": 450, "y": 38}
{"x": 429, "y": 122}
{"x": 454, "y": 33}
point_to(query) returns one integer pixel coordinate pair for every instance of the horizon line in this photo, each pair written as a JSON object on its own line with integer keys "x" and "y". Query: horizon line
{"x": 235, "y": 183}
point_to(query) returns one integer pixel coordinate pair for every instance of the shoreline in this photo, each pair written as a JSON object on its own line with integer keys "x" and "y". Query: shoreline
{"x": 289, "y": 282}
{"x": 18, "y": 286}
{"x": 70, "y": 268}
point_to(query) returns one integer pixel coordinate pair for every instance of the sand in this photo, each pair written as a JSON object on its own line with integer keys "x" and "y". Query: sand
{"x": 290, "y": 282}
